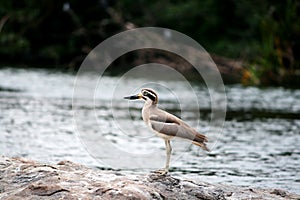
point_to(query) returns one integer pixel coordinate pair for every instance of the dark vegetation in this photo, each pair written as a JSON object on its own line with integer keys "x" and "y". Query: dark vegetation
{"x": 264, "y": 35}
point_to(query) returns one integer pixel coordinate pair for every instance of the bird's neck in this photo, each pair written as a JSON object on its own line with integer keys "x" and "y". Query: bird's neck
{"x": 148, "y": 106}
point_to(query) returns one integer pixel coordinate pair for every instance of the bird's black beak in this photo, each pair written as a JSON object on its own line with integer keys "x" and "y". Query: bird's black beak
{"x": 134, "y": 97}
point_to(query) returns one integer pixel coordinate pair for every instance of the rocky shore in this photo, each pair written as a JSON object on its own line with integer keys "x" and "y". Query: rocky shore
{"x": 26, "y": 179}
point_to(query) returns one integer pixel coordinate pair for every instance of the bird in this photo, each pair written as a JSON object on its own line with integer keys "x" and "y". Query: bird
{"x": 166, "y": 125}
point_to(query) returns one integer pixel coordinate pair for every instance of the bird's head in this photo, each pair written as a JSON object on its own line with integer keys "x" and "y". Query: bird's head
{"x": 147, "y": 94}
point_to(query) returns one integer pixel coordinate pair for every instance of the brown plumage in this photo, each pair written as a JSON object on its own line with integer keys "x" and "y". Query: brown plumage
{"x": 166, "y": 125}
{"x": 170, "y": 125}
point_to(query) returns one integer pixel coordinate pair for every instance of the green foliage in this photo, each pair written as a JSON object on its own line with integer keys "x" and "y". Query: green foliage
{"x": 280, "y": 32}
{"x": 20, "y": 44}
{"x": 265, "y": 34}
{"x": 220, "y": 26}
{"x": 43, "y": 32}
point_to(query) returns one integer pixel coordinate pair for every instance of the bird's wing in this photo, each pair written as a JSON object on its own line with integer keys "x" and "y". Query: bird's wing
{"x": 165, "y": 118}
{"x": 170, "y": 125}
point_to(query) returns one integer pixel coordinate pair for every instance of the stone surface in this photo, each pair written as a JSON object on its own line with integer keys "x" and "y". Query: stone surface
{"x": 26, "y": 179}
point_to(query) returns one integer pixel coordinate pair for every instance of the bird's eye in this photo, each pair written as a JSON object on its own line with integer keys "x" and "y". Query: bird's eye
{"x": 145, "y": 93}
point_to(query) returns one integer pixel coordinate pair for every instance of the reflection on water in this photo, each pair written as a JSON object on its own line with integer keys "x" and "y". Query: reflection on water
{"x": 259, "y": 145}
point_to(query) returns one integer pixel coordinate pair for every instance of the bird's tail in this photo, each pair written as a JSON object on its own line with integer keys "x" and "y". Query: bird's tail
{"x": 200, "y": 140}
{"x": 202, "y": 145}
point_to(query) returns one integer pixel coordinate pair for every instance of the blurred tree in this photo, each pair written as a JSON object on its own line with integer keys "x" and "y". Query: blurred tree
{"x": 277, "y": 61}
{"x": 263, "y": 33}
{"x": 51, "y": 32}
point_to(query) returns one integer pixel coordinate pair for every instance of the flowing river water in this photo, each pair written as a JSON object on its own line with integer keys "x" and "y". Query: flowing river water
{"x": 259, "y": 145}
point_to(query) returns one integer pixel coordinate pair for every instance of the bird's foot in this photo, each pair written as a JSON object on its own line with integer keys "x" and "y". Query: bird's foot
{"x": 161, "y": 171}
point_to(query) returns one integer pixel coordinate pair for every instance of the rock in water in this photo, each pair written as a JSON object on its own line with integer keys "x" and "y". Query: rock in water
{"x": 26, "y": 179}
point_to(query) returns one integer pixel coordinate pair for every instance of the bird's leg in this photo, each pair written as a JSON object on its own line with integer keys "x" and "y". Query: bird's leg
{"x": 168, "y": 151}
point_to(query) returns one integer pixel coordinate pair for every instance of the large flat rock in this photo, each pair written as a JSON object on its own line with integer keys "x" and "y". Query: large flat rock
{"x": 26, "y": 179}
